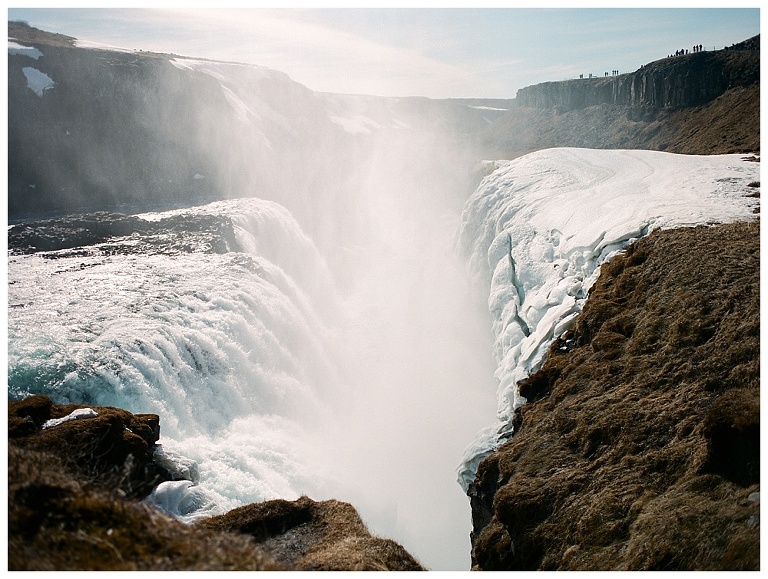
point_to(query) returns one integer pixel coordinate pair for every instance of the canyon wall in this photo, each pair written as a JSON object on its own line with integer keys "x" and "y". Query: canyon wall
{"x": 639, "y": 447}
{"x": 677, "y": 81}
{"x": 95, "y": 129}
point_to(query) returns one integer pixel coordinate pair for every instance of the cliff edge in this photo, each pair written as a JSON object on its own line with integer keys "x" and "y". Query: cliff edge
{"x": 638, "y": 448}
{"x": 676, "y": 81}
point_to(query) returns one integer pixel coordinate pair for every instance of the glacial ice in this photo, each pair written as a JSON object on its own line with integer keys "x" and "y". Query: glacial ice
{"x": 537, "y": 229}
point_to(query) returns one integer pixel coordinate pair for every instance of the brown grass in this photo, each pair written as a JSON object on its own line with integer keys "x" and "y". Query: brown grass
{"x": 58, "y": 522}
{"x": 640, "y": 446}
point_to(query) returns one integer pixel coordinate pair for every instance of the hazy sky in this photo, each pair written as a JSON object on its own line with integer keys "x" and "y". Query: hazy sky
{"x": 433, "y": 52}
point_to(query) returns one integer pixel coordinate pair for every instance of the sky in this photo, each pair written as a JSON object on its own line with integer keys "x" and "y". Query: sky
{"x": 449, "y": 52}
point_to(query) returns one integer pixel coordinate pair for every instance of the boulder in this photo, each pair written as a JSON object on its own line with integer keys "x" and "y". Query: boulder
{"x": 114, "y": 443}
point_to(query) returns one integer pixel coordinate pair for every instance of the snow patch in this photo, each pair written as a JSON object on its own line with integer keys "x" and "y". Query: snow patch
{"x": 30, "y": 51}
{"x": 100, "y": 46}
{"x": 240, "y": 85}
{"x": 38, "y": 82}
{"x": 241, "y": 109}
{"x": 222, "y": 71}
{"x": 78, "y": 414}
{"x": 537, "y": 229}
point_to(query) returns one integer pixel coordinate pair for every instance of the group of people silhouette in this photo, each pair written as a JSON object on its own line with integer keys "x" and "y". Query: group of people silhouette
{"x": 696, "y": 48}
{"x": 613, "y": 73}
{"x": 682, "y": 51}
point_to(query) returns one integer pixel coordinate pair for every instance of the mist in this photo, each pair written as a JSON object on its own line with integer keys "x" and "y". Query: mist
{"x": 409, "y": 335}
{"x": 413, "y": 342}
{"x": 416, "y": 357}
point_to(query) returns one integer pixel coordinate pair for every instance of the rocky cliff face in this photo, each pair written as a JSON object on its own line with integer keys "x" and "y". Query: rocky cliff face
{"x": 703, "y": 103}
{"x": 114, "y": 130}
{"x": 677, "y": 81}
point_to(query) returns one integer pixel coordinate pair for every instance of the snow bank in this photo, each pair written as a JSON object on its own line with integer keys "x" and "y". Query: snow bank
{"x": 486, "y": 108}
{"x": 37, "y": 81}
{"x": 537, "y": 229}
{"x": 74, "y": 415}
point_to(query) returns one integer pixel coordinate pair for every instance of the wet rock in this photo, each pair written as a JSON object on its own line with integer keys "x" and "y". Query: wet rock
{"x": 103, "y": 233}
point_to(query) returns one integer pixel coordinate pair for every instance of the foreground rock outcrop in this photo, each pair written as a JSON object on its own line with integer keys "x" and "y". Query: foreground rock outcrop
{"x": 73, "y": 504}
{"x": 312, "y": 536}
{"x": 639, "y": 446}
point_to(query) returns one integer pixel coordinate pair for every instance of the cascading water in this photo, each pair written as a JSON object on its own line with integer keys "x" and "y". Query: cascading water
{"x": 266, "y": 377}
{"x": 226, "y": 321}
{"x": 227, "y": 348}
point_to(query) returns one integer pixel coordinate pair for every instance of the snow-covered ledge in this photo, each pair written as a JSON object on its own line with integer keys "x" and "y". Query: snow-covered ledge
{"x": 537, "y": 229}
